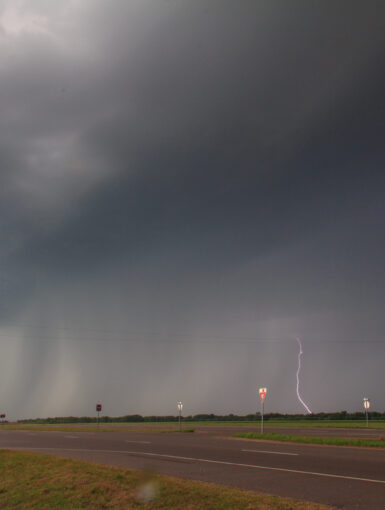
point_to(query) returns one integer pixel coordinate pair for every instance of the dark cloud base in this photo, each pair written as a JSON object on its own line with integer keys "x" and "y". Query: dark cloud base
{"x": 177, "y": 177}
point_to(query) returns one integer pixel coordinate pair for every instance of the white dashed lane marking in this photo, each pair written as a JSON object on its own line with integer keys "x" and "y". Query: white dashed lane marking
{"x": 138, "y": 442}
{"x": 209, "y": 461}
{"x": 268, "y": 451}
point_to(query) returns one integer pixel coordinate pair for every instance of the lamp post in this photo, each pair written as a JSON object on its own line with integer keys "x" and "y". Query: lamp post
{"x": 367, "y": 406}
{"x": 180, "y": 407}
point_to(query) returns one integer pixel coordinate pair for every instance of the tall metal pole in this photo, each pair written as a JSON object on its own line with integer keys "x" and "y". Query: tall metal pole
{"x": 98, "y": 420}
{"x": 262, "y": 396}
{"x": 367, "y": 406}
{"x": 180, "y": 407}
{"x": 263, "y": 409}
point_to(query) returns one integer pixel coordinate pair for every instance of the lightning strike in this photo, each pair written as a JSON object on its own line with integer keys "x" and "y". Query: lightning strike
{"x": 298, "y": 371}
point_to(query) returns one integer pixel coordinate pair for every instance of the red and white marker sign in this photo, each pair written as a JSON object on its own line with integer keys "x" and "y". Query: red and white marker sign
{"x": 262, "y": 394}
{"x": 366, "y": 403}
{"x": 98, "y": 407}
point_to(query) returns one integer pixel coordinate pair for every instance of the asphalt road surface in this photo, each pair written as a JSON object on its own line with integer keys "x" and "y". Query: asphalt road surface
{"x": 347, "y": 478}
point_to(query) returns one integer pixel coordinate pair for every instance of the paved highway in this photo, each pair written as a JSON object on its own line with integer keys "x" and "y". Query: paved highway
{"x": 347, "y": 478}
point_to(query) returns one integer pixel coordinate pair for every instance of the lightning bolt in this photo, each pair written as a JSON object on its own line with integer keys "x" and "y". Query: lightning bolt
{"x": 298, "y": 371}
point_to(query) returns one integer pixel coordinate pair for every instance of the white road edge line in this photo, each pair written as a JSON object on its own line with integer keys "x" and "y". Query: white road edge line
{"x": 313, "y": 473}
{"x": 268, "y": 451}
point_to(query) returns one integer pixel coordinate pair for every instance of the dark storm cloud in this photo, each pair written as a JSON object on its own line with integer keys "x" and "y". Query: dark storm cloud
{"x": 192, "y": 167}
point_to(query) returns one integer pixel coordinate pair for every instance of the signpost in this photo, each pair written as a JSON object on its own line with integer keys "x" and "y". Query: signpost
{"x": 98, "y": 410}
{"x": 262, "y": 396}
{"x": 2, "y": 416}
{"x": 180, "y": 407}
{"x": 367, "y": 406}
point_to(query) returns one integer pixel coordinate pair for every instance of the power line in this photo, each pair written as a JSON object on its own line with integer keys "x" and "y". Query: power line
{"x": 178, "y": 337}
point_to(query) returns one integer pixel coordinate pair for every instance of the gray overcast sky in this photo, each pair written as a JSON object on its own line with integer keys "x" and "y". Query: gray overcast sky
{"x": 185, "y": 187}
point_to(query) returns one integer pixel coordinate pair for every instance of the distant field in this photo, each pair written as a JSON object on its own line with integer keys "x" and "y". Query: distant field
{"x": 187, "y": 426}
{"x": 291, "y": 423}
{"x": 37, "y": 481}
{"x": 300, "y": 423}
{"x": 107, "y": 427}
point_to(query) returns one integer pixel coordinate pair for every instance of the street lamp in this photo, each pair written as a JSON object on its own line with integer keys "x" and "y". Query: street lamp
{"x": 180, "y": 407}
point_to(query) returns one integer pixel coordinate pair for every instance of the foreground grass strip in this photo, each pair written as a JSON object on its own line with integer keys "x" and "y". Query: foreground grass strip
{"x": 333, "y": 441}
{"x": 36, "y": 481}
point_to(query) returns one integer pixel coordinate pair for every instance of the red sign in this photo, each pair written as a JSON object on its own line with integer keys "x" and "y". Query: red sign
{"x": 98, "y": 407}
{"x": 3, "y": 415}
{"x": 262, "y": 394}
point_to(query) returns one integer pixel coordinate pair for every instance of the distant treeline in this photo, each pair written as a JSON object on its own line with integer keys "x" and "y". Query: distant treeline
{"x": 137, "y": 418}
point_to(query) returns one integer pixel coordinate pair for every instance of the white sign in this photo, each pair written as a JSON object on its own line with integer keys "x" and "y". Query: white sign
{"x": 366, "y": 403}
{"x": 262, "y": 394}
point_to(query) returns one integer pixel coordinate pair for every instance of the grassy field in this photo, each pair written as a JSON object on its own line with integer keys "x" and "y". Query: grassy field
{"x": 334, "y": 441}
{"x": 35, "y": 481}
{"x": 189, "y": 426}
{"x": 90, "y": 427}
{"x": 380, "y": 424}
{"x": 345, "y": 424}
{"x": 348, "y": 424}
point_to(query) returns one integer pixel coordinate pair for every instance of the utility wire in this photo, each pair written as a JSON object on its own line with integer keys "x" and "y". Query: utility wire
{"x": 173, "y": 337}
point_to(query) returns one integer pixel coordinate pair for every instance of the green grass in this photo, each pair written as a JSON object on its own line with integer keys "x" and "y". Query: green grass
{"x": 42, "y": 482}
{"x": 173, "y": 426}
{"x": 348, "y": 424}
{"x": 345, "y": 424}
{"x": 333, "y": 441}
{"x": 94, "y": 428}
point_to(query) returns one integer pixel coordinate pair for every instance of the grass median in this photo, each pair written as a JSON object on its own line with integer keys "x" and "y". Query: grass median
{"x": 332, "y": 441}
{"x": 334, "y": 424}
{"x": 36, "y": 481}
